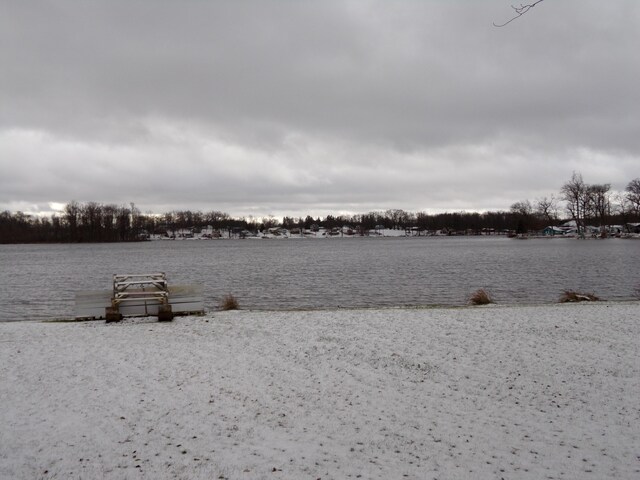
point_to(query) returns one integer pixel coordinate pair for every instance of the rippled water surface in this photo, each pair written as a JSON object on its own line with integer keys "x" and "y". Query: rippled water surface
{"x": 40, "y": 281}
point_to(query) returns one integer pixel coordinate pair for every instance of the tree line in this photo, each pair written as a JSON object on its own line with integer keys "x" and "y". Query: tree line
{"x": 585, "y": 204}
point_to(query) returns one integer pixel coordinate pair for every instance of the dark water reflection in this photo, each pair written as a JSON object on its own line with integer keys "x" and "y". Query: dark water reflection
{"x": 40, "y": 281}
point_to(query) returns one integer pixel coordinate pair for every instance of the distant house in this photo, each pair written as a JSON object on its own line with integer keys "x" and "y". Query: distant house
{"x": 633, "y": 227}
{"x": 184, "y": 233}
{"x": 615, "y": 229}
{"x": 278, "y": 232}
{"x": 551, "y": 231}
{"x": 571, "y": 224}
{"x": 570, "y": 229}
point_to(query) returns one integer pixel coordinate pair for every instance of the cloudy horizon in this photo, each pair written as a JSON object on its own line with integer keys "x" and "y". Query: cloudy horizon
{"x": 283, "y": 107}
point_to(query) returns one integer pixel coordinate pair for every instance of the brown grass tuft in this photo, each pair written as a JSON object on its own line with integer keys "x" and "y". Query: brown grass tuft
{"x": 480, "y": 297}
{"x": 229, "y": 302}
{"x": 573, "y": 296}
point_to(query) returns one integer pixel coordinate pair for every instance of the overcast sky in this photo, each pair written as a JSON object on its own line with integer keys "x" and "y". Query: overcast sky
{"x": 289, "y": 107}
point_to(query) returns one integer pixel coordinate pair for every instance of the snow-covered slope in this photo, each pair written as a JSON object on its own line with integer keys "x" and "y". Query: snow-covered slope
{"x": 497, "y": 392}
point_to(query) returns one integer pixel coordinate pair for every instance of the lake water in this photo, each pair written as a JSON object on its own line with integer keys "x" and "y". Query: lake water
{"x": 40, "y": 281}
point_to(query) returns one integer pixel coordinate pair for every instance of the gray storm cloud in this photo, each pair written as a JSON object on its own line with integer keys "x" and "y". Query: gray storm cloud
{"x": 284, "y": 107}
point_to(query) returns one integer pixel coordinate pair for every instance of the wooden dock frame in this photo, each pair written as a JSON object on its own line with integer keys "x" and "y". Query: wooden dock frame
{"x": 151, "y": 287}
{"x": 140, "y": 295}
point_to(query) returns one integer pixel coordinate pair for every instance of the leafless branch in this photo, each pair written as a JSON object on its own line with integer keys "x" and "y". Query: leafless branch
{"x": 521, "y": 10}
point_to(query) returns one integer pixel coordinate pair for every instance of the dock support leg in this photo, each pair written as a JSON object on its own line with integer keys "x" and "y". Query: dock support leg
{"x": 165, "y": 314}
{"x": 112, "y": 315}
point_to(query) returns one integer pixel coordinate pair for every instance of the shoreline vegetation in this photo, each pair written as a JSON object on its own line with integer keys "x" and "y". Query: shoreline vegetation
{"x": 24, "y": 229}
{"x": 564, "y": 298}
{"x": 519, "y": 392}
{"x": 590, "y": 210}
{"x": 470, "y": 305}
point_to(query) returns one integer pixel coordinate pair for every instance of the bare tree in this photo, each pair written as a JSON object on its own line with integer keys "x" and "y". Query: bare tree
{"x": 522, "y": 212}
{"x": 123, "y": 222}
{"x": 72, "y": 217}
{"x": 621, "y": 207}
{"x": 398, "y": 217}
{"x": 269, "y": 222}
{"x": 575, "y": 194}
{"x": 522, "y": 208}
{"x": 633, "y": 195}
{"x": 600, "y": 202}
{"x": 521, "y": 10}
{"x": 547, "y": 208}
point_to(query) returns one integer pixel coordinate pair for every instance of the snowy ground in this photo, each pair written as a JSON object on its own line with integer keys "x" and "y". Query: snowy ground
{"x": 484, "y": 393}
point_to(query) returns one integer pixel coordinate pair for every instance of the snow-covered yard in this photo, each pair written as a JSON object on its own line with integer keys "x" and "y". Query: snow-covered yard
{"x": 487, "y": 392}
